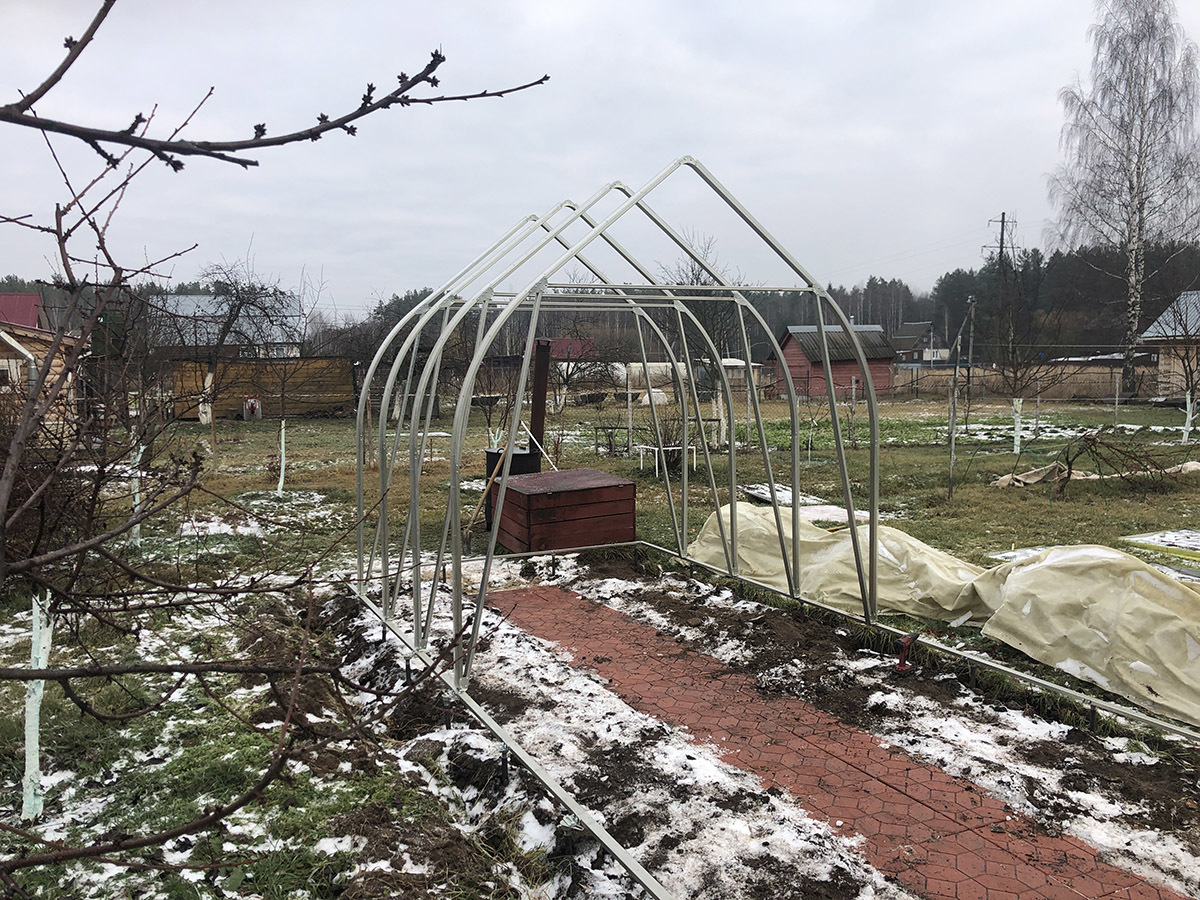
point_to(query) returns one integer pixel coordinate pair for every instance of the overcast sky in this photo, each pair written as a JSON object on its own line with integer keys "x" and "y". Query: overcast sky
{"x": 869, "y": 137}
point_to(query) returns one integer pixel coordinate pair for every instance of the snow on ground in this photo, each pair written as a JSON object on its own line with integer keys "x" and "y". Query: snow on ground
{"x": 709, "y": 826}
{"x": 204, "y": 526}
{"x": 706, "y": 828}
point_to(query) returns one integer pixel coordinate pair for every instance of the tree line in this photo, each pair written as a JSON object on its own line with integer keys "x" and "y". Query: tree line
{"x": 1069, "y": 303}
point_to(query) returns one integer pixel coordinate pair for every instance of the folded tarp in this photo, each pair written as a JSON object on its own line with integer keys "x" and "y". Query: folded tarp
{"x": 1104, "y": 616}
{"x": 914, "y": 578}
{"x": 1057, "y": 472}
{"x": 1092, "y": 611}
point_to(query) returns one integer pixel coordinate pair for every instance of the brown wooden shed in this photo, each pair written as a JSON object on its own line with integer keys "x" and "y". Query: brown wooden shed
{"x": 801, "y": 346}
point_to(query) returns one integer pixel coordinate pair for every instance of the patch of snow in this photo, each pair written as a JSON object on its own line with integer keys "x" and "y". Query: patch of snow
{"x": 343, "y": 844}
{"x": 211, "y": 525}
{"x": 1082, "y": 670}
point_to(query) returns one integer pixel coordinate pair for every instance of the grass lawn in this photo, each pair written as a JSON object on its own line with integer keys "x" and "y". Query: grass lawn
{"x": 914, "y": 465}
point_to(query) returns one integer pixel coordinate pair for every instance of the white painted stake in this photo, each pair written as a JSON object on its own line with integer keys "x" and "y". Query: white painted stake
{"x": 1189, "y": 413}
{"x": 282, "y": 455}
{"x": 135, "y": 534}
{"x": 42, "y": 631}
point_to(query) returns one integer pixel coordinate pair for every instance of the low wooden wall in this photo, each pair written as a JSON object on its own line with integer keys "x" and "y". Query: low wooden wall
{"x": 302, "y": 386}
{"x": 1076, "y": 382}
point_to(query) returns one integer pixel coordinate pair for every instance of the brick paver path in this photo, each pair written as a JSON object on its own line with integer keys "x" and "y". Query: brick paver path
{"x": 939, "y": 836}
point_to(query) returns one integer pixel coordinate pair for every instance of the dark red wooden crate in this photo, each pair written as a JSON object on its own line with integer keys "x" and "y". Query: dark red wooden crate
{"x": 565, "y": 509}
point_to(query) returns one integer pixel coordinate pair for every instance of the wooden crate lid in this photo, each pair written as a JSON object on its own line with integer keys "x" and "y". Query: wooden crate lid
{"x": 565, "y": 480}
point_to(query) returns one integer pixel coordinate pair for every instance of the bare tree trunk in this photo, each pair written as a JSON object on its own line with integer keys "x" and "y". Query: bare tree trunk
{"x": 1135, "y": 273}
{"x": 135, "y": 533}
{"x": 1017, "y": 403}
{"x": 208, "y": 411}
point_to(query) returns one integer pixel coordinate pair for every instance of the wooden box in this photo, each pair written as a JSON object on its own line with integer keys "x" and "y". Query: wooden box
{"x": 565, "y": 509}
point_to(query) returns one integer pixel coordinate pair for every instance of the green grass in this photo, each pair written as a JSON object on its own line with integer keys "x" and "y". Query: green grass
{"x": 913, "y": 476}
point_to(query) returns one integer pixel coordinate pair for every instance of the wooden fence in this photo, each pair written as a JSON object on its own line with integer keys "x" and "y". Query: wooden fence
{"x": 1082, "y": 382}
{"x": 298, "y": 386}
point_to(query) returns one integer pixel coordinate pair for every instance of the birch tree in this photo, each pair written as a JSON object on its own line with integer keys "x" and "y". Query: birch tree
{"x": 1130, "y": 143}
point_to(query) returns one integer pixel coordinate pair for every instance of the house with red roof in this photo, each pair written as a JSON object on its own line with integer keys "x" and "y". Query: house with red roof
{"x": 25, "y": 342}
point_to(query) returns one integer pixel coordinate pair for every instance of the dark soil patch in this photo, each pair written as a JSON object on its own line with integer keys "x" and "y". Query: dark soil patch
{"x": 505, "y": 705}
{"x": 612, "y": 775}
{"x": 453, "y": 859}
{"x": 777, "y": 638}
{"x": 1166, "y": 793}
{"x": 765, "y": 884}
{"x": 426, "y": 709}
{"x": 488, "y": 774}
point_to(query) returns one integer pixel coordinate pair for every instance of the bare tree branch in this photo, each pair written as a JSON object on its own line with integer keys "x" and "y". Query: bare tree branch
{"x": 167, "y": 150}
{"x": 74, "y": 49}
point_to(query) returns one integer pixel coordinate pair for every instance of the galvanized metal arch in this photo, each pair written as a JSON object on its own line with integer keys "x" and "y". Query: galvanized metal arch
{"x": 526, "y": 239}
{"x": 446, "y": 298}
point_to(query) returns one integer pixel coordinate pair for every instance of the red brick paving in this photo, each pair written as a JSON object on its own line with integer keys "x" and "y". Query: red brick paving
{"x": 938, "y": 836}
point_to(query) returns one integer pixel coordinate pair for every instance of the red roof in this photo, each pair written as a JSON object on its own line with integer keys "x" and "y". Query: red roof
{"x": 20, "y": 309}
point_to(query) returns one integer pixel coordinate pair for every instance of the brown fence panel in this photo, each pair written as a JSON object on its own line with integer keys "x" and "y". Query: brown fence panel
{"x": 300, "y": 386}
{"x": 1074, "y": 383}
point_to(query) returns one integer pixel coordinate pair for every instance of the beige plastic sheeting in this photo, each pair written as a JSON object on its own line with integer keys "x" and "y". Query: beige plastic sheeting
{"x": 1057, "y": 471}
{"x": 1104, "y": 616}
{"x": 914, "y": 578}
{"x": 1092, "y": 611}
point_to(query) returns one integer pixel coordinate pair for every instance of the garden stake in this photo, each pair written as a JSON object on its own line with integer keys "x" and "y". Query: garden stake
{"x": 907, "y": 642}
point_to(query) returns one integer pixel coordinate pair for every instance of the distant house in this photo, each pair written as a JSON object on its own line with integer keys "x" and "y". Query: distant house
{"x": 279, "y": 386}
{"x": 801, "y": 347}
{"x": 25, "y": 344}
{"x": 1176, "y": 336}
{"x": 573, "y": 350}
{"x": 22, "y": 309}
{"x": 912, "y": 340}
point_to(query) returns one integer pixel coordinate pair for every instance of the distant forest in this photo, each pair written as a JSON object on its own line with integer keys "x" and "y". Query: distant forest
{"x": 1067, "y": 303}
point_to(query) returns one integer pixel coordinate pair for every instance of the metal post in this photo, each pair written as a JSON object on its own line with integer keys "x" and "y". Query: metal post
{"x": 541, "y": 376}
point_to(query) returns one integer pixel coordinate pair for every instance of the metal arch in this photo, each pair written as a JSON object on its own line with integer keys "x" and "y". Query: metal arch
{"x": 629, "y": 296}
{"x": 460, "y": 421}
{"x": 870, "y": 586}
{"x": 867, "y": 582}
{"x": 411, "y": 345}
{"x": 638, "y": 300}
{"x": 364, "y": 398}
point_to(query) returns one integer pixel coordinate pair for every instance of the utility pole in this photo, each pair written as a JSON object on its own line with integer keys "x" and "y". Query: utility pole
{"x": 956, "y": 351}
{"x": 970, "y": 356}
{"x": 1006, "y": 307}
